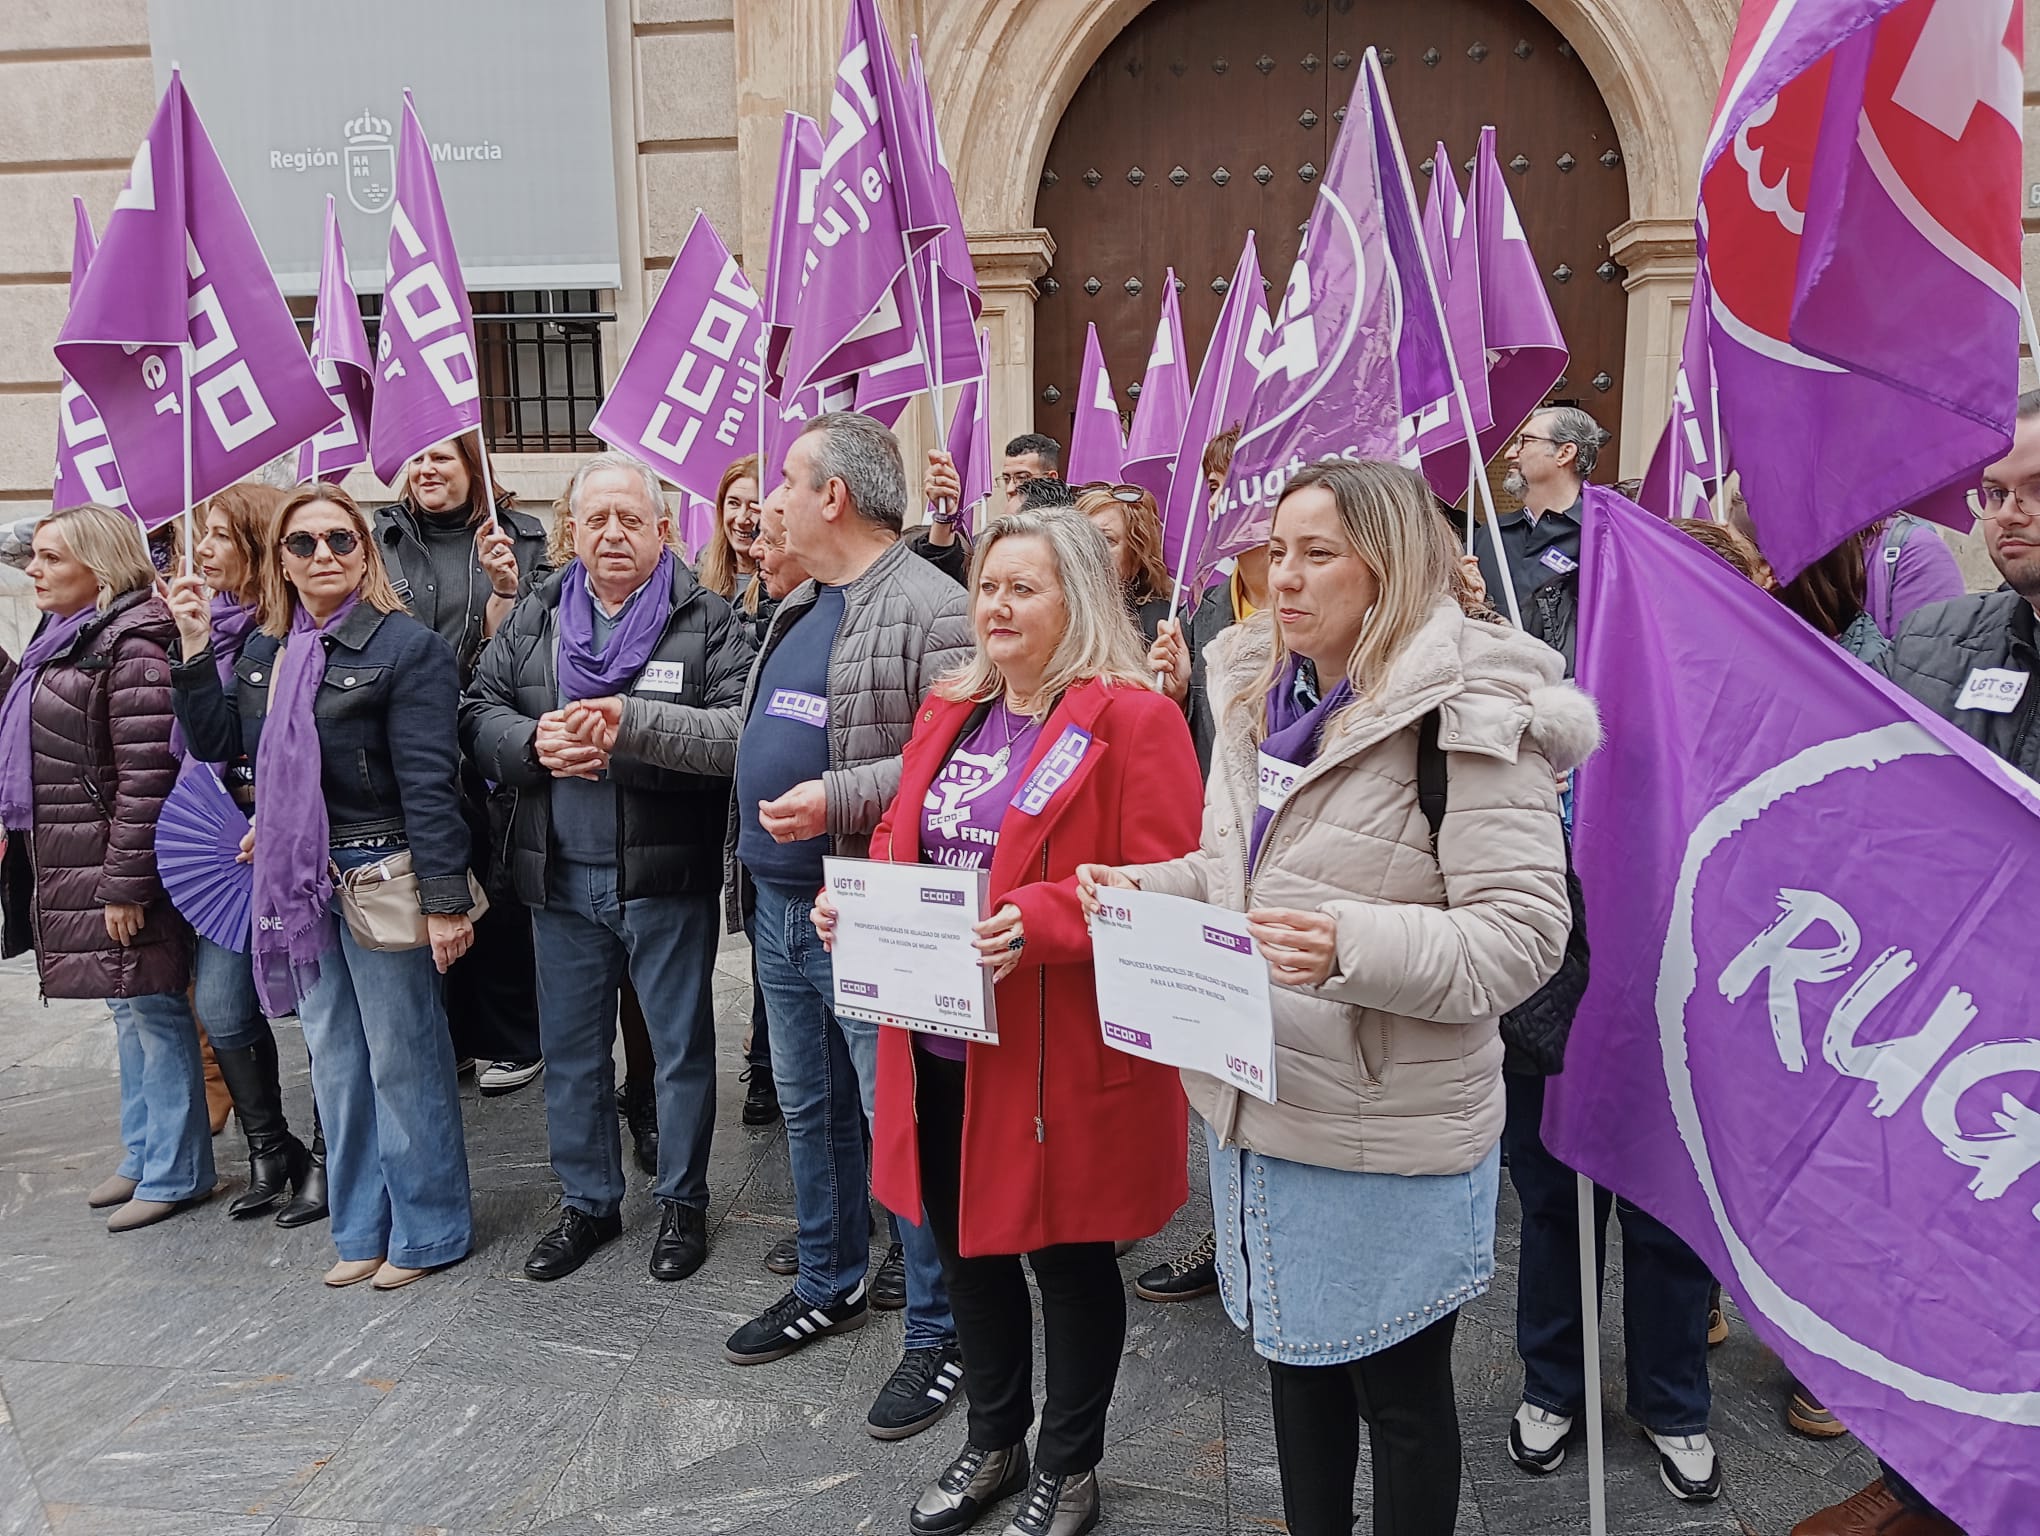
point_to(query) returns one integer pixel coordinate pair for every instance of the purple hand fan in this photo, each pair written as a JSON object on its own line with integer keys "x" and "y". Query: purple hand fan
{"x": 198, "y": 842}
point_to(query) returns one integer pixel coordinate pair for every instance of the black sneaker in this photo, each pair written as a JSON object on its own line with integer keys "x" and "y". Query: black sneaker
{"x": 783, "y": 1257}
{"x": 790, "y": 1324}
{"x": 1183, "y": 1278}
{"x": 761, "y": 1097}
{"x": 574, "y": 1237}
{"x": 889, "y": 1281}
{"x": 918, "y": 1393}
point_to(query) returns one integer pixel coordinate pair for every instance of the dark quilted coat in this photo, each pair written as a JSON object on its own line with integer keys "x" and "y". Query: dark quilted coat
{"x": 99, "y": 726}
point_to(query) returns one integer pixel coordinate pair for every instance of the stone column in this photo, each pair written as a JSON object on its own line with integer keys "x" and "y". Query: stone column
{"x": 1008, "y": 265}
{"x": 1660, "y": 257}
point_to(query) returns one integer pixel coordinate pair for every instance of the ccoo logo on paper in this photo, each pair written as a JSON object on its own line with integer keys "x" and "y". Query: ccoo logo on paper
{"x": 1864, "y": 1047}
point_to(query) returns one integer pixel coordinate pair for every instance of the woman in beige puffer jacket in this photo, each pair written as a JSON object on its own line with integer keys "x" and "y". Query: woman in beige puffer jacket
{"x": 1355, "y": 1214}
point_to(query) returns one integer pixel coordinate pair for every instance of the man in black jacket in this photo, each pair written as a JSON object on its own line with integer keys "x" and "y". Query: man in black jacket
{"x": 1549, "y": 463}
{"x": 620, "y": 861}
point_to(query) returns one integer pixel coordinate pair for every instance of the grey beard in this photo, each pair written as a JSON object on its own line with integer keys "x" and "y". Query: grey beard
{"x": 1514, "y": 483}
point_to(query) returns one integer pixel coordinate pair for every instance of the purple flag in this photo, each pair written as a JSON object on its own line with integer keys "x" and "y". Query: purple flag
{"x": 180, "y": 276}
{"x": 949, "y": 291}
{"x": 85, "y": 467}
{"x": 800, "y": 161}
{"x": 1449, "y": 463}
{"x": 1444, "y": 212}
{"x": 1519, "y": 330}
{"x": 1219, "y": 402}
{"x": 686, "y": 398}
{"x": 868, "y": 219}
{"x": 1164, "y": 404}
{"x": 345, "y": 366}
{"x": 970, "y": 440}
{"x": 427, "y": 386}
{"x": 1327, "y": 381}
{"x": 1688, "y": 455}
{"x": 1859, "y": 218}
{"x": 1805, "y": 1042}
{"x": 698, "y": 515}
{"x": 1097, "y": 447}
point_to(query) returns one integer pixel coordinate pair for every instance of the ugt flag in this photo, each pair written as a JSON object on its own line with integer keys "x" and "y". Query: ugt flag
{"x": 180, "y": 283}
{"x": 1811, "y": 1042}
{"x": 793, "y": 193}
{"x": 341, "y": 356}
{"x": 85, "y": 467}
{"x": 1218, "y": 403}
{"x": 1326, "y": 384}
{"x": 427, "y": 385}
{"x": 1859, "y": 222}
{"x": 1097, "y": 449}
{"x": 1689, "y": 454}
{"x": 1518, "y": 328}
{"x": 1163, "y": 406}
{"x": 687, "y": 397}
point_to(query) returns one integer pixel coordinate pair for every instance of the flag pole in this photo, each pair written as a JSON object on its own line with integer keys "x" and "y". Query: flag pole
{"x": 932, "y": 347}
{"x": 1720, "y": 448}
{"x": 185, "y": 354}
{"x": 1590, "y": 1353}
{"x": 488, "y": 479}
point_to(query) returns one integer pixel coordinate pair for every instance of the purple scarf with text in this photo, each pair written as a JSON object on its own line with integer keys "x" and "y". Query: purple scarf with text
{"x": 17, "y": 768}
{"x": 1295, "y": 722}
{"x": 585, "y": 672}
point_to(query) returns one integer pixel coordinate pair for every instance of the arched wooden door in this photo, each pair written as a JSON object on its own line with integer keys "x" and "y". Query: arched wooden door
{"x": 1205, "y": 118}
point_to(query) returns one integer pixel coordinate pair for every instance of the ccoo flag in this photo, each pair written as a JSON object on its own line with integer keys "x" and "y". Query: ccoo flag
{"x": 1859, "y": 222}
{"x": 1163, "y": 406}
{"x": 180, "y": 275}
{"x": 345, "y": 365}
{"x": 1218, "y": 404}
{"x": 800, "y": 161}
{"x": 970, "y": 440}
{"x": 427, "y": 386}
{"x": 1807, "y": 1044}
{"x": 686, "y": 398}
{"x": 85, "y": 467}
{"x": 1447, "y": 462}
{"x": 1688, "y": 456}
{"x": 1097, "y": 447}
{"x": 1326, "y": 384}
{"x": 950, "y": 302}
{"x": 1518, "y": 329}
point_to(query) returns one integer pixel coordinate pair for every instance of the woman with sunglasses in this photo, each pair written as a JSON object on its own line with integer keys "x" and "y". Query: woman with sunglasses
{"x": 1132, "y": 525}
{"x": 346, "y": 706}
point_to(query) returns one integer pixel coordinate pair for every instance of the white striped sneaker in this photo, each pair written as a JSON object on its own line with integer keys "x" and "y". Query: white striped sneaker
{"x": 791, "y": 1323}
{"x": 919, "y": 1392}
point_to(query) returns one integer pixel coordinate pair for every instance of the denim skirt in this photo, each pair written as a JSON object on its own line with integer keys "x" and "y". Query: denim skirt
{"x": 1322, "y": 1265}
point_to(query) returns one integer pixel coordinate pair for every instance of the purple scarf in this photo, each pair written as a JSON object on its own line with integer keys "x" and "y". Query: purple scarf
{"x": 232, "y": 622}
{"x": 586, "y": 673}
{"x": 1294, "y": 725}
{"x": 293, "y": 884}
{"x": 17, "y": 766}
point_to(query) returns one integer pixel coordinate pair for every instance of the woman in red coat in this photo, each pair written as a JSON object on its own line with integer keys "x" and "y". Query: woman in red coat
{"x": 1048, "y": 748}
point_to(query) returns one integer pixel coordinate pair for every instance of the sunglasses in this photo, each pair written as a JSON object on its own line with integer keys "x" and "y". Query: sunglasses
{"x": 341, "y": 541}
{"x": 1130, "y": 494}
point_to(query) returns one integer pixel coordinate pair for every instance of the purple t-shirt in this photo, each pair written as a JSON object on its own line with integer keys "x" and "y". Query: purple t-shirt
{"x": 961, "y": 814}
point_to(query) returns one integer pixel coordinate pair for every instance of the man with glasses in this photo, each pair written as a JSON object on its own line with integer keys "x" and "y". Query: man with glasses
{"x": 1549, "y": 463}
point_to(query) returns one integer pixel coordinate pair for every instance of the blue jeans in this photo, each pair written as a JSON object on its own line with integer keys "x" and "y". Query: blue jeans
{"x": 163, "y": 1123}
{"x": 826, "y": 1071}
{"x": 586, "y": 939}
{"x": 1664, "y": 1288}
{"x": 382, "y": 1072}
{"x": 223, "y": 996}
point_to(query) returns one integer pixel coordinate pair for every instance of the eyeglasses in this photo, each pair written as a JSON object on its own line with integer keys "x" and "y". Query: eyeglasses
{"x": 341, "y": 541}
{"x": 1532, "y": 437}
{"x": 1132, "y": 495}
{"x": 1994, "y": 503}
{"x": 1013, "y": 479}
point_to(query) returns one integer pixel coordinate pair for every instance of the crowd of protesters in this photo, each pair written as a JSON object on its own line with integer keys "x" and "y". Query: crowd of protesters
{"x": 506, "y": 788}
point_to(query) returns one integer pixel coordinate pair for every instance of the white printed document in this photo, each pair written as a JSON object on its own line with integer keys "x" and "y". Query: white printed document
{"x": 1180, "y": 982}
{"x": 905, "y": 954}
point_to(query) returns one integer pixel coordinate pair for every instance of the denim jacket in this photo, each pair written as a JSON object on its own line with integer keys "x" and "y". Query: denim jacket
{"x": 389, "y": 755}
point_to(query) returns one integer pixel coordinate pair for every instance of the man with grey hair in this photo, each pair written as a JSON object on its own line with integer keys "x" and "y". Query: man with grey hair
{"x": 617, "y": 857}
{"x": 829, "y": 706}
{"x": 1549, "y": 463}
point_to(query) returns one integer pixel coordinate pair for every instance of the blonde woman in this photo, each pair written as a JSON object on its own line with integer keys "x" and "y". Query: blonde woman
{"x": 345, "y": 704}
{"x": 726, "y": 567}
{"x": 85, "y": 764}
{"x": 1356, "y": 1214}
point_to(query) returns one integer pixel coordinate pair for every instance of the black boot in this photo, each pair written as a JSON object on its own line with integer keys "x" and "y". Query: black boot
{"x": 277, "y": 1160}
{"x": 641, "y": 1119}
{"x": 309, "y": 1203}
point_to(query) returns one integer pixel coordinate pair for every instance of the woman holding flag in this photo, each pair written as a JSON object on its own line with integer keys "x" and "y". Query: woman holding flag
{"x": 1381, "y": 805}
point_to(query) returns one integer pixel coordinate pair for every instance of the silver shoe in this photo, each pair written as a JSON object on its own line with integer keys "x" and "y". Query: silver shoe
{"x": 968, "y": 1486}
{"x": 1058, "y": 1504}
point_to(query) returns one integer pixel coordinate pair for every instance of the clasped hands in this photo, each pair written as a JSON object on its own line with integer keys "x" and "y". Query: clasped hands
{"x": 575, "y": 742}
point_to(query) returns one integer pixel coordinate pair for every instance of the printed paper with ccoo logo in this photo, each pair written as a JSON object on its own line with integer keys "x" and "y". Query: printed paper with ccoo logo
{"x": 904, "y": 949}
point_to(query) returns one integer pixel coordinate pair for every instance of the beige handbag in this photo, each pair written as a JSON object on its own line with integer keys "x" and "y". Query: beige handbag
{"x": 380, "y": 903}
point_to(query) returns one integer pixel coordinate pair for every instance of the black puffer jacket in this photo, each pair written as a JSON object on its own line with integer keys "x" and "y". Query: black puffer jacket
{"x": 403, "y": 552}
{"x": 99, "y": 728}
{"x": 671, "y": 836}
{"x": 1938, "y": 648}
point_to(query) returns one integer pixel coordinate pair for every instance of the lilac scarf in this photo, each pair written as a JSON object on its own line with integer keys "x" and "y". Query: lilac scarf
{"x": 17, "y": 766}
{"x": 294, "y": 923}
{"x": 586, "y": 673}
{"x": 233, "y": 621}
{"x": 1296, "y": 719}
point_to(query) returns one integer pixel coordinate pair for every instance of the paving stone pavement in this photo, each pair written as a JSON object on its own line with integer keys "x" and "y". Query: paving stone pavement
{"x": 195, "y": 1379}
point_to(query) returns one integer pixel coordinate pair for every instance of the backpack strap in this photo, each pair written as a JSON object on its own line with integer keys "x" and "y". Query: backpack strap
{"x": 1430, "y": 774}
{"x": 1896, "y": 532}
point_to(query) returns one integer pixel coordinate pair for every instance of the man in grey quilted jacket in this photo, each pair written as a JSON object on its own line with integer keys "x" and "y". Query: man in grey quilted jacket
{"x": 830, "y": 703}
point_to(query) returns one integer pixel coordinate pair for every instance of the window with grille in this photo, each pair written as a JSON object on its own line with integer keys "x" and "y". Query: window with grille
{"x": 540, "y": 356}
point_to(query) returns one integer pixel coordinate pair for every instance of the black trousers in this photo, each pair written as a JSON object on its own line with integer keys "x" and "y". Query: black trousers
{"x": 1404, "y": 1394}
{"x": 492, "y": 990}
{"x": 1083, "y": 1307}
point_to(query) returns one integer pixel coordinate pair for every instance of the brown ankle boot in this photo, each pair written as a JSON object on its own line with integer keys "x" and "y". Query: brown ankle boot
{"x": 1874, "y": 1512}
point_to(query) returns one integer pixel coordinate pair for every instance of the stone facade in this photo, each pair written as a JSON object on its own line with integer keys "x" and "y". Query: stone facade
{"x": 698, "y": 87}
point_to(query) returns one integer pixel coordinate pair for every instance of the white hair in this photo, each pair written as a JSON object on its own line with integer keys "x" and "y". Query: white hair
{"x": 622, "y": 463}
